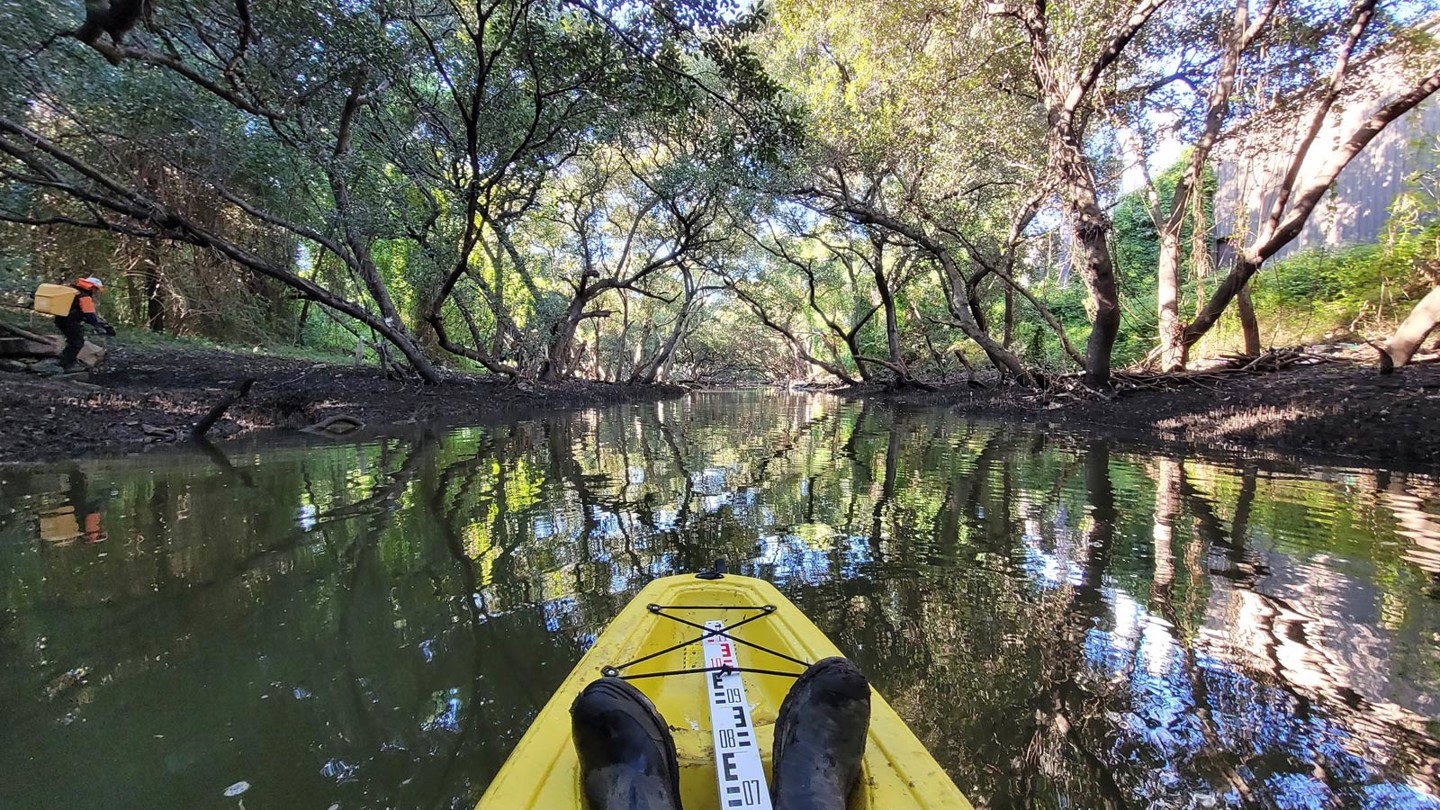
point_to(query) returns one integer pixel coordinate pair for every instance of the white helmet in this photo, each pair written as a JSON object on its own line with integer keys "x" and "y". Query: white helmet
{"x": 99, "y": 285}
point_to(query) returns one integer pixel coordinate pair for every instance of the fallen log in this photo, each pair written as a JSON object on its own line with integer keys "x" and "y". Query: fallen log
{"x": 338, "y": 425}
{"x": 22, "y": 342}
{"x": 24, "y": 334}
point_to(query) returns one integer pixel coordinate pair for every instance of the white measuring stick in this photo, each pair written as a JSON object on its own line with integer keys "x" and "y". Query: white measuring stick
{"x": 737, "y": 751}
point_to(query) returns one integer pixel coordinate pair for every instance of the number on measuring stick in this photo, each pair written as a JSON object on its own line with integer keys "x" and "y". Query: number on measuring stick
{"x": 738, "y": 771}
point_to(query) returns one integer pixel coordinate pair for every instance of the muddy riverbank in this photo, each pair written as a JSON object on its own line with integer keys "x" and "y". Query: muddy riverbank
{"x": 1333, "y": 407}
{"x": 142, "y": 397}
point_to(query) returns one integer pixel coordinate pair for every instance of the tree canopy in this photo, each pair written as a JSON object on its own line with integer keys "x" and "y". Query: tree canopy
{"x": 696, "y": 190}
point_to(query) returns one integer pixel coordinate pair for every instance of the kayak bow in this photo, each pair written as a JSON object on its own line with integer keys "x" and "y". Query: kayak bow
{"x": 655, "y": 642}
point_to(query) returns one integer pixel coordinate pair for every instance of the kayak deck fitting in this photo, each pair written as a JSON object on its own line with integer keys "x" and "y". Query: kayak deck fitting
{"x": 657, "y": 642}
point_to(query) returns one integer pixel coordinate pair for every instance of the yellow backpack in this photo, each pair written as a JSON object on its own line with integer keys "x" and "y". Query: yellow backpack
{"x": 54, "y": 299}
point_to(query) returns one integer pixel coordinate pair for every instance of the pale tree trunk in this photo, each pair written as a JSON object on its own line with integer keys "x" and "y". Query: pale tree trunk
{"x": 1188, "y": 190}
{"x": 1167, "y": 514}
{"x": 1172, "y": 330}
{"x": 650, "y": 372}
{"x": 1412, "y": 332}
{"x": 1005, "y": 361}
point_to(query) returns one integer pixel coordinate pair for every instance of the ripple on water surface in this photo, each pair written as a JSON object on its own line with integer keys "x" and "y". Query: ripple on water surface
{"x": 1065, "y": 621}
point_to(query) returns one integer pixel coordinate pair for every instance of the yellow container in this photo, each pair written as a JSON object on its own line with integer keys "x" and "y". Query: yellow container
{"x": 54, "y": 299}
{"x": 543, "y": 772}
{"x": 60, "y": 525}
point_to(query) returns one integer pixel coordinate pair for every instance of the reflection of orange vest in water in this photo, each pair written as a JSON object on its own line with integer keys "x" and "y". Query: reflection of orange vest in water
{"x": 65, "y": 524}
{"x": 92, "y": 528}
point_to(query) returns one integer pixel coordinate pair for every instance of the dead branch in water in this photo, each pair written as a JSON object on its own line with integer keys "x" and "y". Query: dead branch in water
{"x": 209, "y": 420}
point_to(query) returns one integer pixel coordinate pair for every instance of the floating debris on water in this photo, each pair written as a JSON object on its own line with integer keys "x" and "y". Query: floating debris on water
{"x": 66, "y": 681}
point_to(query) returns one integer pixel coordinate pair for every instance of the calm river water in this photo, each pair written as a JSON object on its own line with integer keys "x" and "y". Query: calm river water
{"x": 1066, "y": 622}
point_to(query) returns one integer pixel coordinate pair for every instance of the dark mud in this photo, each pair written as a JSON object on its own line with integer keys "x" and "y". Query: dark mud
{"x": 143, "y": 398}
{"x": 1340, "y": 409}
{"x": 1336, "y": 410}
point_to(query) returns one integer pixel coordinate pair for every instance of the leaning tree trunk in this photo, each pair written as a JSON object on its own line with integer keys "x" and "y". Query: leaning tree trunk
{"x": 648, "y": 372}
{"x": 955, "y": 298}
{"x": 1246, "y": 265}
{"x": 1412, "y": 332}
{"x": 1282, "y": 227}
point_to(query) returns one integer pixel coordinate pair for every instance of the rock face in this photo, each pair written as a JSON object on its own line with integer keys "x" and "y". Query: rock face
{"x": 12, "y": 348}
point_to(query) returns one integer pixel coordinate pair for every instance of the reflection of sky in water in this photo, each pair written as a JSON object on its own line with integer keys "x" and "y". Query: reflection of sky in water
{"x": 1163, "y": 723}
{"x": 1050, "y": 570}
{"x": 1298, "y": 662}
{"x": 1172, "y": 705}
{"x": 446, "y": 716}
{"x": 795, "y": 561}
{"x": 607, "y": 524}
{"x": 556, "y": 610}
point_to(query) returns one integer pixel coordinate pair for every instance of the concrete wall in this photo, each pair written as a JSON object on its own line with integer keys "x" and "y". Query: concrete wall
{"x": 1250, "y": 163}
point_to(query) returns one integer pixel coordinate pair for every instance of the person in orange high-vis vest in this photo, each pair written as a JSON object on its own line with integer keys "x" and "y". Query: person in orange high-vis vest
{"x": 82, "y": 311}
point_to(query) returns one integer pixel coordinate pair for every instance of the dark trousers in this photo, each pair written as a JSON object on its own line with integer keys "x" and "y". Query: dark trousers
{"x": 74, "y": 331}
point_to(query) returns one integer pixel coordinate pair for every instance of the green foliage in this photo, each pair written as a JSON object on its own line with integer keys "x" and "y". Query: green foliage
{"x": 1352, "y": 292}
{"x": 544, "y": 189}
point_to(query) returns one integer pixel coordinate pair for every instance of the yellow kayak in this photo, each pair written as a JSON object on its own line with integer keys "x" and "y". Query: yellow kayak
{"x": 654, "y": 642}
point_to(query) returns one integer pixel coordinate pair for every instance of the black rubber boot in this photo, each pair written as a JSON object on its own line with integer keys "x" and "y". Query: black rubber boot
{"x": 627, "y": 756}
{"x": 820, "y": 737}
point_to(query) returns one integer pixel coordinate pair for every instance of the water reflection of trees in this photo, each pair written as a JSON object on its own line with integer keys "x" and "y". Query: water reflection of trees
{"x": 1059, "y": 619}
{"x": 1113, "y": 674}
{"x": 1064, "y": 622}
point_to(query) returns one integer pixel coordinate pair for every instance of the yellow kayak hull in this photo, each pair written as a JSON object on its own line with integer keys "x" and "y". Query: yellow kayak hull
{"x": 543, "y": 771}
